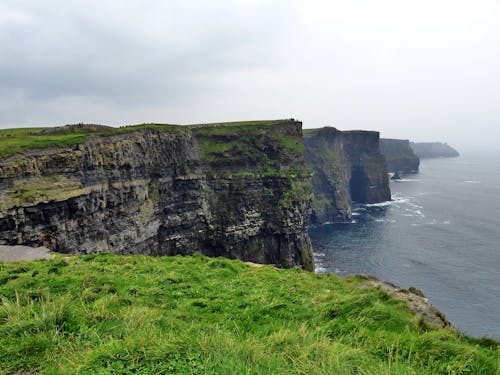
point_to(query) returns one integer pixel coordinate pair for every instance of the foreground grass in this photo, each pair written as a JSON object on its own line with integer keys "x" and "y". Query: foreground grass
{"x": 110, "y": 314}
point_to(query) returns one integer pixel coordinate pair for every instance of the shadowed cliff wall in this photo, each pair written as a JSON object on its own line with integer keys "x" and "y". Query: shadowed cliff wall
{"x": 347, "y": 166}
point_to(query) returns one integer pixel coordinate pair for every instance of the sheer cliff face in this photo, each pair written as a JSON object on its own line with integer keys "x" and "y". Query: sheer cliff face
{"x": 399, "y": 155}
{"x": 326, "y": 157}
{"x": 239, "y": 191}
{"x": 347, "y": 166}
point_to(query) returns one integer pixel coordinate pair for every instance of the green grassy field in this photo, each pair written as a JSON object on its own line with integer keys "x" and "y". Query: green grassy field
{"x": 108, "y": 314}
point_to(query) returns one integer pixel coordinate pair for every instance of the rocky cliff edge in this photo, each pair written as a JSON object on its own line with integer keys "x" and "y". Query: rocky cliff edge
{"x": 238, "y": 190}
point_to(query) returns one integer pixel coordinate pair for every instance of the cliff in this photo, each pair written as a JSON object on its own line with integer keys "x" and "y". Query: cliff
{"x": 399, "y": 155}
{"x": 434, "y": 150}
{"x": 237, "y": 190}
{"x": 347, "y": 166}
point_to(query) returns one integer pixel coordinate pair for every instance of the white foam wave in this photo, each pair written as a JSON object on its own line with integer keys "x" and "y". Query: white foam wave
{"x": 320, "y": 255}
{"x": 401, "y": 200}
{"x": 419, "y": 213}
{"x": 319, "y": 269}
{"x": 385, "y": 220}
{"x": 381, "y": 204}
{"x": 472, "y": 182}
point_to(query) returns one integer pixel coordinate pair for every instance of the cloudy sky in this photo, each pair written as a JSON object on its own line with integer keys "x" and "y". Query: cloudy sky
{"x": 420, "y": 69}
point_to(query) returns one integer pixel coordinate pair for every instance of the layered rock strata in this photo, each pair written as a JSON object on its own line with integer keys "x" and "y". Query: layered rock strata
{"x": 347, "y": 166}
{"x": 236, "y": 190}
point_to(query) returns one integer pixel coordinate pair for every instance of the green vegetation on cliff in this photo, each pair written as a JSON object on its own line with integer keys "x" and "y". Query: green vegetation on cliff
{"x": 247, "y": 141}
{"x": 17, "y": 140}
{"x": 14, "y": 141}
{"x": 40, "y": 189}
{"x": 107, "y": 314}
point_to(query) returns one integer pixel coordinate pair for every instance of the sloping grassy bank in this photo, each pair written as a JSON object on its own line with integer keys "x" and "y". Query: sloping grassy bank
{"x": 107, "y": 314}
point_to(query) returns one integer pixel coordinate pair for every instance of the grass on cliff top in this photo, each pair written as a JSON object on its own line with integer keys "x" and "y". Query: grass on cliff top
{"x": 309, "y": 132}
{"x": 108, "y": 314}
{"x": 18, "y": 140}
{"x": 245, "y": 140}
{"x": 231, "y": 127}
{"x": 13, "y": 141}
{"x": 312, "y": 132}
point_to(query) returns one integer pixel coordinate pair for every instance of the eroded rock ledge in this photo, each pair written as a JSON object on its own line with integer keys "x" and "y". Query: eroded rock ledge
{"x": 414, "y": 298}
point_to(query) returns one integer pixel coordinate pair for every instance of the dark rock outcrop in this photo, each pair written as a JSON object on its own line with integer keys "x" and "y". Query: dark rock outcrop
{"x": 347, "y": 166}
{"x": 427, "y": 150}
{"x": 235, "y": 190}
{"x": 414, "y": 299}
{"x": 399, "y": 155}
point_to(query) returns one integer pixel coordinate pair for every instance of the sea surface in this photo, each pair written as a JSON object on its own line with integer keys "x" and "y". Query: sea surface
{"x": 440, "y": 234}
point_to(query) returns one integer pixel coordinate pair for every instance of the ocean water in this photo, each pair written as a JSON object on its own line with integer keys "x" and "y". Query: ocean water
{"x": 441, "y": 234}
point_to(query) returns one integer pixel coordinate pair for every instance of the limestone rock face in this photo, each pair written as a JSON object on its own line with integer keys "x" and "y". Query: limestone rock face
{"x": 347, "y": 166}
{"x": 237, "y": 190}
{"x": 399, "y": 155}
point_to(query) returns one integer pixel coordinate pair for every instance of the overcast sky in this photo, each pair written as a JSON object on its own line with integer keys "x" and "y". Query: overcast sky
{"x": 422, "y": 69}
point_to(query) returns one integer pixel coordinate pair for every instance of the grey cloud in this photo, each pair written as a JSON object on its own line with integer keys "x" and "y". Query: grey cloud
{"x": 126, "y": 52}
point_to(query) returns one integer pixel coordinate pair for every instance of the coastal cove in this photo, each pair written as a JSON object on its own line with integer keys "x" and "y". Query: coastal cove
{"x": 439, "y": 234}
